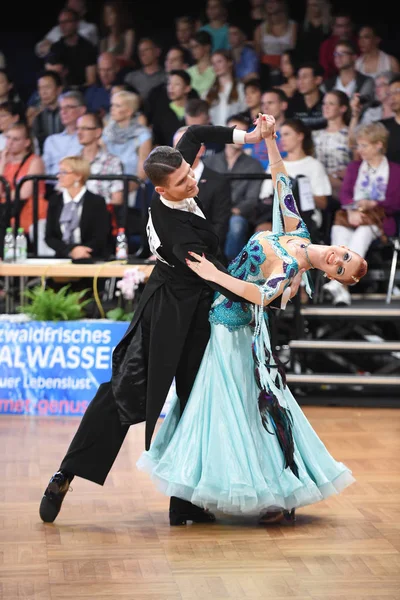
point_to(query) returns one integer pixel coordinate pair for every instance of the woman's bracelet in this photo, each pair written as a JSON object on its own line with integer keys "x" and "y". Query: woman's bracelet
{"x": 275, "y": 163}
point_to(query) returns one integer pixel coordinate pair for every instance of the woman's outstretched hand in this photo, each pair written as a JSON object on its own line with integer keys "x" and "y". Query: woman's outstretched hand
{"x": 268, "y": 127}
{"x": 203, "y": 267}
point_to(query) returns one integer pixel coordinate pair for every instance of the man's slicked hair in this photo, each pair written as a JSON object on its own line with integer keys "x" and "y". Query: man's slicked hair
{"x": 161, "y": 162}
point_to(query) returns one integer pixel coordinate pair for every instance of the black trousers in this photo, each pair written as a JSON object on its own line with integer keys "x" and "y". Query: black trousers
{"x": 100, "y": 434}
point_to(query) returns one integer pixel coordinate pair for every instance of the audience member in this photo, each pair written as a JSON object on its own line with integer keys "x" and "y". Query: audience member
{"x": 97, "y": 96}
{"x": 169, "y": 118}
{"x": 392, "y": 124}
{"x": 18, "y": 160}
{"x": 119, "y": 35}
{"x": 57, "y": 146}
{"x": 217, "y": 25}
{"x": 226, "y": 96}
{"x": 202, "y": 74}
{"x": 314, "y": 30}
{"x": 85, "y": 29}
{"x": 370, "y": 196}
{"x": 78, "y": 223}
{"x": 9, "y": 115}
{"x": 245, "y": 60}
{"x": 373, "y": 61}
{"x": 306, "y": 103}
{"x": 288, "y": 73}
{"x": 197, "y": 112}
{"x": 74, "y": 51}
{"x": 150, "y": 74}
{"x": 47, "y": 120}
{"x": 342, "y": 31}
{"x": 184, "y": 31}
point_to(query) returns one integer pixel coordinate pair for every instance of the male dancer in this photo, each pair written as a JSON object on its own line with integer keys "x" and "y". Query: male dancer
{"x": 169, "y": 332}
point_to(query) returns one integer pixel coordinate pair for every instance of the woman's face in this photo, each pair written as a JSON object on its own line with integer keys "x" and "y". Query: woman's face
{"x": 221, "y": 65}
{"x": 368, "y": 150}
{"x": 110, "y": 16}
{"x": 330, "y": 107}
{"x": 290, "y": 139}
{"x": 339, "y": 262}
{"x": 286, "y": 66}
{"x": 273, "y": 7}
{"x": 66, "y": 176}
{"x": 120, "y": 111}
{"x": 367, "y": 40}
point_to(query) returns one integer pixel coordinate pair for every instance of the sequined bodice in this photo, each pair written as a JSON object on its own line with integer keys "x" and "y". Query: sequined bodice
{"x": 247, "y": 266}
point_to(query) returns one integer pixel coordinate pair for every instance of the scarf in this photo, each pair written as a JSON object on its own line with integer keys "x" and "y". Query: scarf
{"x": 70, "y": 217}
{"x": 371, "y": 183}
{"x": 121, "y": 135}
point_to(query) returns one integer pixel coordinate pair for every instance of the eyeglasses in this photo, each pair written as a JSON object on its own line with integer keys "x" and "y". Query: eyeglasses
{"x": 86, "y": 128}
{"x": 69, "y": 106}
{"x": 65, "y": 173}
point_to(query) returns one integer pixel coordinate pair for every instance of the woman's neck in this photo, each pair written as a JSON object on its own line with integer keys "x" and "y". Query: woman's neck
{"x": 296, "y": 154}
{"x": 17, "y": 158}
{"x": 375, "y": 161}
{"x": 203, "y": 63}
{"x": 371, "y": 55}
{"x": 74, "y": 191}
{"x": 225, "y": 80}
{"x": 123, "y": 124}
{"x": 335, "y": 124}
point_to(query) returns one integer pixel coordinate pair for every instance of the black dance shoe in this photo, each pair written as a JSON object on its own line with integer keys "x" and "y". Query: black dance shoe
{"x": 53, "y": 496}
{"x": 181, "y": 511}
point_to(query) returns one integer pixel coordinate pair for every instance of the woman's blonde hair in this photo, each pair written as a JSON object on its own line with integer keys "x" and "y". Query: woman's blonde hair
{"x": 373, "y": 132}
{"x": 78, "y": 165}
{"x": 130, "y": 98}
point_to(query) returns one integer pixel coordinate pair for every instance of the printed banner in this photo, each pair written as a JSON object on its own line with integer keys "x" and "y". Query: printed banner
{"x": 54, "y": 368}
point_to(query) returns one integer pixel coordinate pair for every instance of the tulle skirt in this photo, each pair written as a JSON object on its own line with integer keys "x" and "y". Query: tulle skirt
{"x": 219, "y": 456}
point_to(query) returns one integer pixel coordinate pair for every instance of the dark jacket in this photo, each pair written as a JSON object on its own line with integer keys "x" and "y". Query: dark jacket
{"x": 215, "y": 197}
{"x": 94, "y": 225}
{"x": 179, "y": 325}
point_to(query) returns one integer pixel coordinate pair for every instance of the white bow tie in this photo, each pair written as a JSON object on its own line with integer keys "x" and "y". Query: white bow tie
{"x": 191, "y": 205}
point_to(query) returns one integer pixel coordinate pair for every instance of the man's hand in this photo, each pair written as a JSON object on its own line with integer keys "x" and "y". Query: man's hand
{"x": 81, "y": 252}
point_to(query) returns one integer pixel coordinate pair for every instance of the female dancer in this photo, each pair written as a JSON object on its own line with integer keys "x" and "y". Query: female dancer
{"x": 242, "y": 444}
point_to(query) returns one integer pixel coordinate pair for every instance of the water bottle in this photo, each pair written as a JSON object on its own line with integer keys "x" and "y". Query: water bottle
{"x": 121, "y": 251}
{"x": 21, "y": 245}
{"x": 9, "y": 246}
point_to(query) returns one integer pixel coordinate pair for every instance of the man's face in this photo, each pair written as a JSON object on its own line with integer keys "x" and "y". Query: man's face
{"x": 147, "y": 53}
{"x": 68, "y": 24}
{"x": 107, "y": 70}
{"x": 177, "y": 88}
{"x": 342, "y": 28}
{"x": 343, "y": 57}
{"x": 271, "y": 105}
{"x": 174, "y": 60}
{"x": 87, "y": 130}
{"x": 180, "y": 184}
{"x": 307, "y": 82}
{"x": 394, "y": 93}
{"x": 70, "y": 111}
{"x": 48, "y": 90}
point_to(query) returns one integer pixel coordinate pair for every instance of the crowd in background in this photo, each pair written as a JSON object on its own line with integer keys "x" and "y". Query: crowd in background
{"x": 105, "y": 97}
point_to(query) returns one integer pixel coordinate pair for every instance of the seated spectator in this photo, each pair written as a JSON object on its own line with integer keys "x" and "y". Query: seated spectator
{"x": 288, "y": 73}
{"x": 8, "y": 93}
{"x": 77, "y": 223}
{"x": 392, "y": 124}
{"x": 214, "y": 192}
{"x": 217, "y": 25}
{"x": 349, "y": 80}
{"x": 306, "y": 103}
{"x": 74, "y": 51}
{"x": 119, "y": 35}
{"x": 2, "y": 61}
{"x": 245, "y": 59}
{"x": 226, "y": 96}
{"x": 197, "y": 112}
{"x": 90, "y": 131}
{"x": 150, "y": 74}
{"x": 85, "y": 29}
{"x": 273, "y": 102}
{"x": 124, "y": 137}
{"x": 9, "y": 115}
{"x": 314, "y": 30}
{"x": 332, "y": 145}
{"x": 201, "y": 73}
{"x": 184, "y": 31}
{"x": 17, "y": 161}
{"x": 371, "y": 186}
{"x": 158, "y": 100}
{"x": 373, "y": 61}
{"x": 97, "y": 96}
{"x": 252, "y": 94}
{"x": 277, "y": 33}
{"x": 314, "y": 187}
{"x": 244, "y": 193}
{"x": 381, "y": 108}
{"x": 170, "y": 117}
{"x": 48, "y": 120}
{"x": 57, "y": 146}
{"x": 342, "y": 30}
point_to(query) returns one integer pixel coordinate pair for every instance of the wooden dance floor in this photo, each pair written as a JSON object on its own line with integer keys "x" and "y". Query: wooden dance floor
{"x": 115, "y": 542}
